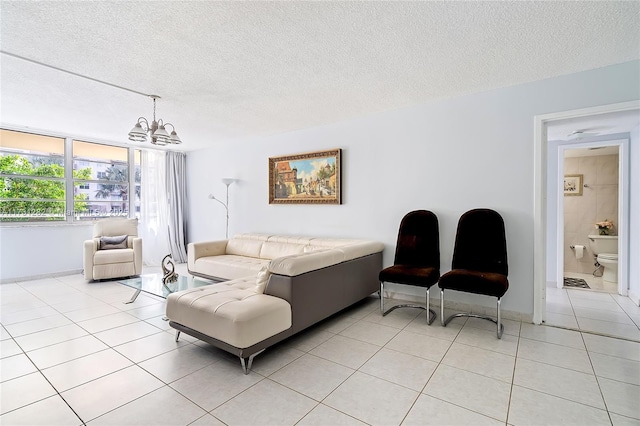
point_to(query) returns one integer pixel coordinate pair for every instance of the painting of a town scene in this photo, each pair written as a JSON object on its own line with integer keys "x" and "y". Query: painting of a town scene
{"x": 311, "y": 178}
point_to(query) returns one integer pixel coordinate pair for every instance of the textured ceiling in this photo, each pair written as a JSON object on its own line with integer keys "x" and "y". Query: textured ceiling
{"x": 231, "y": 70}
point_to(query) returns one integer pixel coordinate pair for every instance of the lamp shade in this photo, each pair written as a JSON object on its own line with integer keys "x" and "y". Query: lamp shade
{"x": 137, "y": 134}
{"x": 161, "y": 135}
{"x": 174, "y": 139}
{"x": 228, "y": 181}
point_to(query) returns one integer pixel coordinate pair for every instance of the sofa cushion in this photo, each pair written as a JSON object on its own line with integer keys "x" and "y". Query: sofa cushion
{"x": 287, "y": 254}
{"x": 290, "y": 239}
{"x": 229, "y": 266}
{"x": 252, "y": 236}
{"x": 111, "y": 243}
{"x": 238, "y": 317}
{"x": 262, "y": 279}
{"x": 332, "y": 242}
{"x": 306, "y": 262}
{"x": 105, "y": 257}
{"x": 271, "y": 250}
{"x": 360, "y": 249}
{"x": 311, "y": 248}
{"x": 115, "y": 226}
{"x": 244, "y": 247}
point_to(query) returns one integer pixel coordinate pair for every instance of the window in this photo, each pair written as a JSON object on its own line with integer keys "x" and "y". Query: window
{"x": 40, "y": 183}
{"x": 32, "y": 169}
{"x": 105, "y": 169}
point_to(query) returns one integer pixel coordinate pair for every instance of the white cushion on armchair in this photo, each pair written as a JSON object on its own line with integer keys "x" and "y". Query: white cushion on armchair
{"x": 113, "y": 263}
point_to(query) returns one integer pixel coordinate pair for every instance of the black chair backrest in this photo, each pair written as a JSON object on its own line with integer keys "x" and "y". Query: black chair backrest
{"x": 480, "y": 242}
{"x": 418, "y": 240}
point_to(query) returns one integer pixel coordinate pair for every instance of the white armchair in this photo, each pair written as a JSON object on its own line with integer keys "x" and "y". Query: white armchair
{"x": 115, "y": 250}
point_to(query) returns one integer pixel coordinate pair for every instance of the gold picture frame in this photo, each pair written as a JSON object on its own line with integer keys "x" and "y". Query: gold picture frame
{"x": 308, "y": 178}
{"x": 573, "y": 184}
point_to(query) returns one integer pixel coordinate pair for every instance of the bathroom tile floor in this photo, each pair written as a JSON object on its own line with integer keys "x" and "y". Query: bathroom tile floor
{"x": 599, "y": 310}
{"x": 73, "y": 354}
{"x": 595, "y": 283}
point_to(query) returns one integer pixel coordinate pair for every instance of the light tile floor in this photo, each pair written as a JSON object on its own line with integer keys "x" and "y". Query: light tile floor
{"x": 601, "y": 312}
{"x": 72, "y": 353}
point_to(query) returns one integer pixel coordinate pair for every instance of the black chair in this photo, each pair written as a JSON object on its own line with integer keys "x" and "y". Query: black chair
{"x": 417, "y": 259}
{"x": 479, "y": 262}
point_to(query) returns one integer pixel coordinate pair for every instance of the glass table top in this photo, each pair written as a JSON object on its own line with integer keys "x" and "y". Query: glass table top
{"x": 152, "y": 284}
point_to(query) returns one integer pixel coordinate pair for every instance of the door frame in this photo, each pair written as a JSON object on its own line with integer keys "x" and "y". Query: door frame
{"x": 540, "y": 193}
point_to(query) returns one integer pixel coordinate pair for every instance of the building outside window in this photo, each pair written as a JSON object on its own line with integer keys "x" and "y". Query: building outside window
{"x": 107, "y": 180}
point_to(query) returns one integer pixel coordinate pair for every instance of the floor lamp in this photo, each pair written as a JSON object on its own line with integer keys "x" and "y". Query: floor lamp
{"x": 226, "y": 181}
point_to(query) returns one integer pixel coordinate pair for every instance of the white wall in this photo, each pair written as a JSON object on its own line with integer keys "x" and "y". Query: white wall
{"x": 447, "y": 156}
{"x": 634, "y": 214}
{"x": 31, "y": 251}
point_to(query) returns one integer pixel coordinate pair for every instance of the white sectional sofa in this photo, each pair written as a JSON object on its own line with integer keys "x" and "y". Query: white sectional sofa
{"x": 273, "y": 287}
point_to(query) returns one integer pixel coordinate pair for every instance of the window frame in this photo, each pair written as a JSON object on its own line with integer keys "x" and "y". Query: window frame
{"x": 69, "y": 179}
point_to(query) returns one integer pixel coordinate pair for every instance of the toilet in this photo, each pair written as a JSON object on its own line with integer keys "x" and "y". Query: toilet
{"x": 605, "y": 247}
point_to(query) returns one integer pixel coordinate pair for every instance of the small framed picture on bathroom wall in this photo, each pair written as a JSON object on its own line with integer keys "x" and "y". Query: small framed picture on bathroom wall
{"x": 572, "y": 184}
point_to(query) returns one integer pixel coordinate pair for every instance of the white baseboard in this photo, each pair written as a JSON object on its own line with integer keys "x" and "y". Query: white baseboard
{"x": 41, "y": 276}
{"x": 635, "y": 298}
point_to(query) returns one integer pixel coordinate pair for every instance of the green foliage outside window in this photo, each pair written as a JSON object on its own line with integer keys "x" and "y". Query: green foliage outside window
{"x": 24, "y": 199}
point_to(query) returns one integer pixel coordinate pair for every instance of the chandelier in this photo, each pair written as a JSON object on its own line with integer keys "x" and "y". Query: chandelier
{"x": 156, "y": 131}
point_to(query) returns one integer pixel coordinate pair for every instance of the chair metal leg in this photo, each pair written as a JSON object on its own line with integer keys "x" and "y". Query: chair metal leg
{"x": 444, "y": 322}
{"x": 499, "y": 325}
{"x": 177, "y": 335}
{"x": 431, "y": 315}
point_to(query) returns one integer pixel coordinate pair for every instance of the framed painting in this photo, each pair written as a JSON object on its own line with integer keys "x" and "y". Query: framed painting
{"x": 309, "y": 178}
{"x": 573, "y": 184}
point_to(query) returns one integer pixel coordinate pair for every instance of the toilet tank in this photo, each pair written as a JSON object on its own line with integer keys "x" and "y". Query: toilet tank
{"x": 603, "y": 244}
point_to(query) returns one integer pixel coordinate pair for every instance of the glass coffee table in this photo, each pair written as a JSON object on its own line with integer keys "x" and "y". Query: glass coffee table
{"x": 152, "y": 284}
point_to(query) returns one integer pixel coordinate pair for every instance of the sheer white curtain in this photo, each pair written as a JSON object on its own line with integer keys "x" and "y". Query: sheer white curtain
{"x": 153, "y": 207}
{"x": 177, "y": 192}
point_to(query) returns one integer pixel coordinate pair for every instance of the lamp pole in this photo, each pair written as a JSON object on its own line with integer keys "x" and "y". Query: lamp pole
{"x": 227, "y": 182}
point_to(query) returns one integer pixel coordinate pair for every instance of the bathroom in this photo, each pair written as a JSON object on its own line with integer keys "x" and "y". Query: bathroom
{"x": 591, "y": 218}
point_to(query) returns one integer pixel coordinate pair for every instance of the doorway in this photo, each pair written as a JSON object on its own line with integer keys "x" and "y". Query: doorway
{"x": 541, "y": 225}
{"x": 592, "y": 199}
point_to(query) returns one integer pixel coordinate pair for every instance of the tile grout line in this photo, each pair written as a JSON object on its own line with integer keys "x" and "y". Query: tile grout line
{"x": 595, "y": 375}
{"x": 89, "y": 333}
{"x": 50, "y": 384}
{"x": 446, "y": 365}
{"x": 421, "y": 392}
{"x": 378, "y": 351}
{"x": 513, "y": 376}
